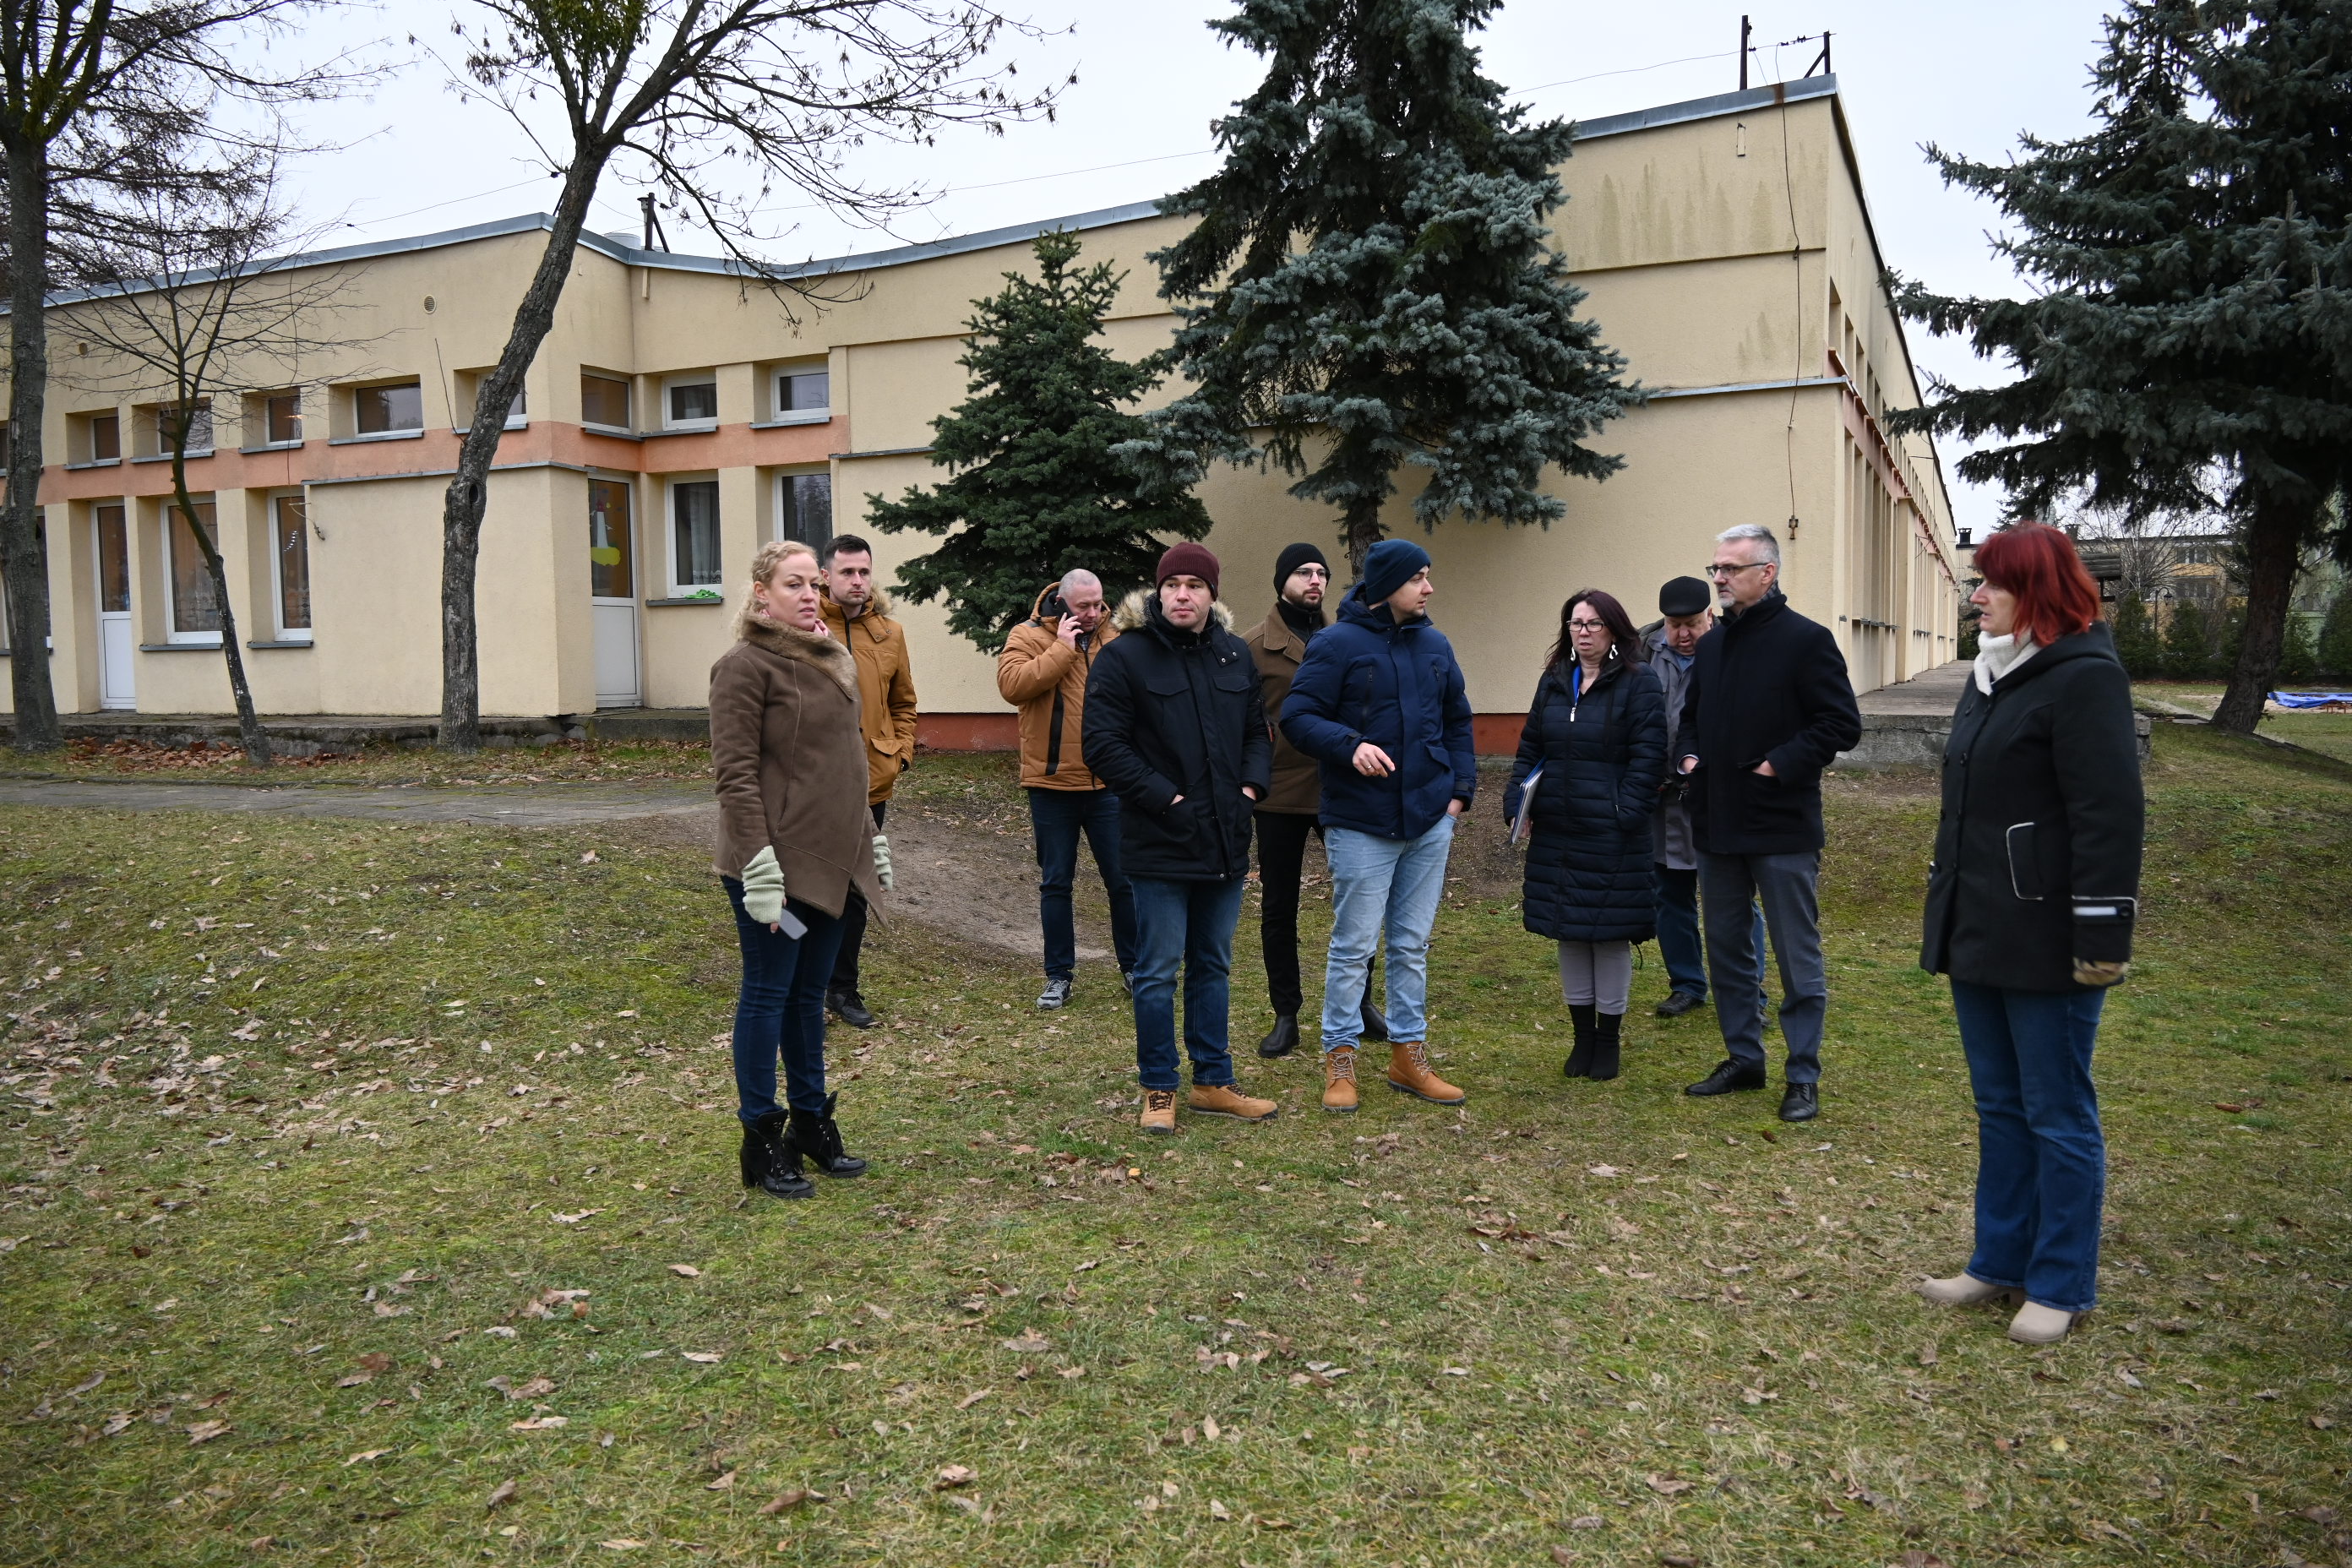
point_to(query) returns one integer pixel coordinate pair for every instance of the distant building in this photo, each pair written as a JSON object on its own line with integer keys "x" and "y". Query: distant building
{"x": 675, "y": 418}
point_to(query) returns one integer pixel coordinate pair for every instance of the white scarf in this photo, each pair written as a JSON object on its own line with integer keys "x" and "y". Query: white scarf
{"x": 1996, "y": 656}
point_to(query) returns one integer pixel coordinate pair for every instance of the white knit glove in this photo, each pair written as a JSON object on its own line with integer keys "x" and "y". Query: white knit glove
{"x": 882, "y": 862}
{"x": 763, "y": 888}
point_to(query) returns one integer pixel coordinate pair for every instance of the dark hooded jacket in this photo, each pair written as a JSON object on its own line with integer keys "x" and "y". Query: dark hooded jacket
{"x": 1398, "y": 687}
{"x": 1602, "y": 751}
{"x": 1173, "y": 714}
{"x": 2038, "y": 852}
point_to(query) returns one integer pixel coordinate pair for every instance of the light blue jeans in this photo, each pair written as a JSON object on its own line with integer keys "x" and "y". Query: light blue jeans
{"x": 1377, "y": 882}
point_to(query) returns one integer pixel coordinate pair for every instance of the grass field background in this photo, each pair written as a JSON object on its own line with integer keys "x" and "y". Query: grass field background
{"x": 370, "y": 1198}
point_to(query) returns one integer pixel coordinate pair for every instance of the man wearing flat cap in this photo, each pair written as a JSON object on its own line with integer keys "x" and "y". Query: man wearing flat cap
{"x": 1286, "y": 817}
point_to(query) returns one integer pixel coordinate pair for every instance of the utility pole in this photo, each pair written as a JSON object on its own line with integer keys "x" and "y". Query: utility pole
{"x": 1743, "y": 54}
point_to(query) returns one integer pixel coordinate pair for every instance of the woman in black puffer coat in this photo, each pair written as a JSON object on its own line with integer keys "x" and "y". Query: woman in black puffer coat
{"x": 1598, "y": 730}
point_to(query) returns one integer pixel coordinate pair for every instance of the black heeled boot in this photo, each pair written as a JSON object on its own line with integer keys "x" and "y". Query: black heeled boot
{"x": 818, "y": 1136}
{"x": 1579, "y": 1060}
{"x": 1376, "y": 1023}
{"x": 1607, "y": 1029}
{"x": 770, "y": 1161}
{"x": 1283, "y": 1039}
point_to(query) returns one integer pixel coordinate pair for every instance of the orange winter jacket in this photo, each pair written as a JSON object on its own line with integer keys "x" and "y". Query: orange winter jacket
{"x": 1047, "y": 682}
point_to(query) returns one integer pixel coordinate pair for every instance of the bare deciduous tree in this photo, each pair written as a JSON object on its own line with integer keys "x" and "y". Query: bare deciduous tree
{"x": 686, "y": 92}
{"x": 202, "y": 306}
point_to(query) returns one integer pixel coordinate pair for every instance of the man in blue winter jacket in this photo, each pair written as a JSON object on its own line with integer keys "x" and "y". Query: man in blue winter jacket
{"x": 1379, "y": 702}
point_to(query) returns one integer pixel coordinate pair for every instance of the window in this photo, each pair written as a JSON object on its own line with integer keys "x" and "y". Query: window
{"x": 805, "y": 509}
{"x": 281, "y": 417}
{"x": 803, "y": 392}
{"x": 113, "y": 560}
{"x": 603, "y": 400}
{"x": 609, "y": 576}
{"x": 289, "y": 556}
{"x": 104, "y": 433}
{"x": 692, "y": 404}
{"x": 469, "y": 391}
{"x": 194, "y": 609}
{"x": 195, "y": 419}
{"x": 694, "y": 535}
{"x": 382, "y": 410}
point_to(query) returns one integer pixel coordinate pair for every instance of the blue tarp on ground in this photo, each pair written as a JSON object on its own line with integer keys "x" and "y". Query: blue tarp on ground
{"x": 2310, "y": 698}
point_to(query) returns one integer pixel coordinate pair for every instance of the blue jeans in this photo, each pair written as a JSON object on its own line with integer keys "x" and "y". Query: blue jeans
{"x": 1785, "y": 885}
{"x": 1058, "y": 816}
{"x": 1190, "y": 923}
{"x": 1377, "y": 882}
{"x": 2042, "y": 1161}
{"x": 1678, "y": 940}
{"x": 779, "y": 1012}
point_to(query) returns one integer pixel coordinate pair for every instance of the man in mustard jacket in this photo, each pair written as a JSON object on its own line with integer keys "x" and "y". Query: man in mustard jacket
{"x": 858, "y": 612}
{"x": 1042, "y": 671}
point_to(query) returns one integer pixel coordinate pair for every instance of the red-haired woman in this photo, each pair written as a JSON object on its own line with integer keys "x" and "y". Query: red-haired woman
{"x": 2031, "y": 903}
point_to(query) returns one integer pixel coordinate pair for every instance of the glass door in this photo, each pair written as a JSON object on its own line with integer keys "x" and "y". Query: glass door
{"x": 115, "y": 641}
{"x": 612, "y": 595}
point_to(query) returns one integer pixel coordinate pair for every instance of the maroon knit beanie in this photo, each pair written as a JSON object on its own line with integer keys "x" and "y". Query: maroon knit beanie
{"x": 1188, "y": 560}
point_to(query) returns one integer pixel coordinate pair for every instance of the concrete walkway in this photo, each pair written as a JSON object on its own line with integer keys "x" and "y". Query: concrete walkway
{"x": 536, "y": 805}
{"x": 1930, "y": 695}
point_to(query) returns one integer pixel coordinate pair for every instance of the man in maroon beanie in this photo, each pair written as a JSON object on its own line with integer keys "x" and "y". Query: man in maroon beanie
{"x": 1176, "y": 727}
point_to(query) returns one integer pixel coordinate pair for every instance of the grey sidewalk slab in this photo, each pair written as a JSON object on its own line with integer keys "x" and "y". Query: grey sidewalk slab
{"x": 540, "y": 806}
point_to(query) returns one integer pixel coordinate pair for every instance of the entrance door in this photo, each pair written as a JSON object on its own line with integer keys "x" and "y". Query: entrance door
{"x": 612, "y": 595}
{"x": 115, "y": 641}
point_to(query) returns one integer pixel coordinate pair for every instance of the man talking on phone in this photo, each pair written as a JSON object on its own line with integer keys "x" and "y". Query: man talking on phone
{"x": 1042, "y": 671}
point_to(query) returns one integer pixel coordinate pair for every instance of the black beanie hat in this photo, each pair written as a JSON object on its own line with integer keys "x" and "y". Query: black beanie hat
{"x": 1292, "y": 558}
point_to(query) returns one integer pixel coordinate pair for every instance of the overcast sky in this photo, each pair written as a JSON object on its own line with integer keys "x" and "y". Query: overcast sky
{"x": 416, "y": 158}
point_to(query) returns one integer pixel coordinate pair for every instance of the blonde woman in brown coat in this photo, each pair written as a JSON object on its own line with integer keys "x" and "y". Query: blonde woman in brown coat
{"x": 794, "y": 838}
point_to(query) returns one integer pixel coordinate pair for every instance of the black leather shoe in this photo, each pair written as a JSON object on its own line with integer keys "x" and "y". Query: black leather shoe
{"x": 1802, "y": 1102}
{"x": 1376, "y": 1023}
{"x": 850, "y": 1008}
{"x": 818, "y": 1136}
{"x": 1580, "y": 1057}
{"x": 1680, "y": 1002}
{"x": 1283, "y": 1039}
{"x": 770, "y": 1160}
{"x": 1728, "y": 1076}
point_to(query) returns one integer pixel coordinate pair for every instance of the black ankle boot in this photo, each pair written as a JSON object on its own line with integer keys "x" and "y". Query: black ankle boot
{"x": 770, "y": 1161}
{"x": 1580, "y": 1060}
{"x": 1283, "y": 1039}
{"x": 818, "y": 1136}
{"x": 1375, "y": 1022}
{"x": 1607, "y": 1028}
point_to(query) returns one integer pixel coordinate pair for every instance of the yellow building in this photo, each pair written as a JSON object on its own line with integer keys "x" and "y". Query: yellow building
{"x": 674, "y": 418}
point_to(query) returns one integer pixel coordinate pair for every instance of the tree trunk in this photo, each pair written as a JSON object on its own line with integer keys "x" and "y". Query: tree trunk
{"x": 467, "y": 498}
{"x": 2275, "y": 535}
{"x": 24, "y": 555}
{"x": 248, "y": 723}
{"x": 1360, "y": 530}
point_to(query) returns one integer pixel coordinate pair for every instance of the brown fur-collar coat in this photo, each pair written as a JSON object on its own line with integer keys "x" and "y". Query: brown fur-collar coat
{"x": 791, "y": 763}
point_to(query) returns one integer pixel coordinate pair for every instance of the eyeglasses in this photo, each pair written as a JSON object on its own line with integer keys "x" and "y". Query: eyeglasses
{"x": 1311, "y": 572}
{"x": 1720, "y": 572}
{"x": 1588, "y": 625}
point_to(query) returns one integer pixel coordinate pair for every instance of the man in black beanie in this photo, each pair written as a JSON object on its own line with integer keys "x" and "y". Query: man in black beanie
{"x": 1287, "y": 814}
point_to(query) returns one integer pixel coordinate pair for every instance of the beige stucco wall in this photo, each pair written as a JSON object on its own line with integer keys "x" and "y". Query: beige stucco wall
{"x": 1681, "y": 234}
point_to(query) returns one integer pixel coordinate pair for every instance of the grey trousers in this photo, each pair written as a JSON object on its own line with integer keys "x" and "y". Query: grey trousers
{"x": 1786, "y": 887}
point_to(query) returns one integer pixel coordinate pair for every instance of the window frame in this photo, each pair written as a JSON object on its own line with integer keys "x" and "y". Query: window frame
{"x": 692, "y": 378}
{"x": 268, "y": 401}
{"x": 391, "y": 432}
{"x": 169, "y": 518}
{"x": 277, "y": 568}
{"x": 780, "y": 395}
{"x": 628, "y": 403}
{"x": 786, "y": 512}
{"x": 673, "y": 485}
{"x": 197, "y": 408}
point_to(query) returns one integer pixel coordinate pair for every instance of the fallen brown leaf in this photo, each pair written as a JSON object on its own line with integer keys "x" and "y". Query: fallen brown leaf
{"x": 685, "y": 1270}
{"x": 785, "y": 1501}
{"x": 205, "y": 1431}
{"x": 501, "y": 1495}
{"x": 954, "y": 1475}
{"x": 1666, "y": 1485}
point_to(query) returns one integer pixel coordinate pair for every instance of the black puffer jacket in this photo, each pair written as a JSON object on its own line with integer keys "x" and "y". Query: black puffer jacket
{"x": 1602, "y": 756}
{"x": 1174, "y": 713}
{"x": 2038, "y": 854}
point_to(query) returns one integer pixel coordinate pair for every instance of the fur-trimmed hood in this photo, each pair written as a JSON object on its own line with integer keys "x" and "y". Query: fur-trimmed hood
{"x": 803, "y": 647}
{"x": 1132, "y": 610}
{"x": 878, "y": 604}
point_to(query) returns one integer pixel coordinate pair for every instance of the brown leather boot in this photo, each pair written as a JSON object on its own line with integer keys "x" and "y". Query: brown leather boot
{"x": 1224, "y": 1099}
{"x": 1158, "y": 1110}
{"x": 1409, "y": 1074}
{"x": 1339, "y": 1079}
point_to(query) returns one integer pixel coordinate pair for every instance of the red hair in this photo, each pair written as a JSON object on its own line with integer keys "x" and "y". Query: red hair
{"x": 2036, "y": 563}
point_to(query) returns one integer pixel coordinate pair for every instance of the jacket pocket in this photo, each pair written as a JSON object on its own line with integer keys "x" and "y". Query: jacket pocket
{"x": 2022, "y": 842}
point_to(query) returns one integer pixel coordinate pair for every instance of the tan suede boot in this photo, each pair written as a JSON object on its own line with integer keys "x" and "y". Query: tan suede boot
{"x": 1224, "y": 1099}
{"x": 1409, "y": 1074}
{"x": 1158, "y": 1110}
{"x": 1340, "y": 1079}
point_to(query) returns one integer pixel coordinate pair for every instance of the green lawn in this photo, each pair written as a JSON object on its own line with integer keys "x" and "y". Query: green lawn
{"x": 2329, "y": 733}
{"x": 369, "y": 1195}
